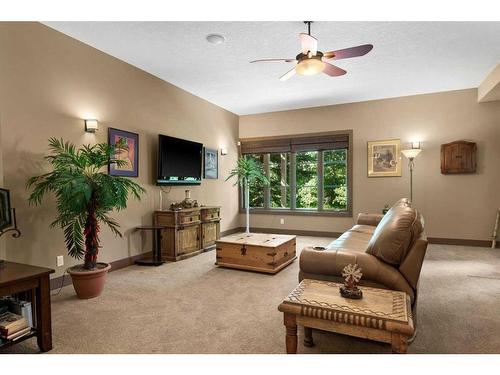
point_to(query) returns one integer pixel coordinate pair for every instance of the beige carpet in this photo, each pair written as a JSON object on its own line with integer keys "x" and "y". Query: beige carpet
{"x": 194, "y": 307}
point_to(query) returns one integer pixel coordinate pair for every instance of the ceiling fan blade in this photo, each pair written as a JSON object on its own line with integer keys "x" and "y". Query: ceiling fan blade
{"x": 348, "y": 52}
{"x": 308, "y": 43}
{"x": 273, "y": 60}
{"x": 332, "y": 70}
{"x": 287, "y": 75}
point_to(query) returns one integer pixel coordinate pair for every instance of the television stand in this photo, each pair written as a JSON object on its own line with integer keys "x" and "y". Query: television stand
{"x": 156, "y": 259}
{"x": 189, "y": 231}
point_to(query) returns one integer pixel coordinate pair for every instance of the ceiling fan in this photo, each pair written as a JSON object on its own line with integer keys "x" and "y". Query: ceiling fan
{"x": 311, "y": 61}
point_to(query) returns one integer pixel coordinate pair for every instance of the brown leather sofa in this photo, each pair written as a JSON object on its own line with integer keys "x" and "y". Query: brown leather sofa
{"x": 389, "y": 248}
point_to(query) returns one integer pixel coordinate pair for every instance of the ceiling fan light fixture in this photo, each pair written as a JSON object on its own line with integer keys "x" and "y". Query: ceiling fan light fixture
{"x": 309, "y": 67}
{"x": 310, "y": 61}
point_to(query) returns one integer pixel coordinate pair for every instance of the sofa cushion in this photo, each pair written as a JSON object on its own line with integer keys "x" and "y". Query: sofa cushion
{"x": 369, "y": 219}
{"x": 369, "y": 229}
{"x": 351, "y": 241}
{"x": 395, "y": 234}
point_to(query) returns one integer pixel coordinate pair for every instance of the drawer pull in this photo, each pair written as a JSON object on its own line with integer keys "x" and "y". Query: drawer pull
{"x": 286, "y": 254}
{"x": 243, "y": 251}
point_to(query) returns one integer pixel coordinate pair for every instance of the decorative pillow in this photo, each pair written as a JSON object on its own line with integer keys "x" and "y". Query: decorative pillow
{"x": 395, "y": 234}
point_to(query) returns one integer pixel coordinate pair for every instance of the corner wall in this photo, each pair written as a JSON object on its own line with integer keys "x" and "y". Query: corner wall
{"x": 50, "y": 83}
{"x": 454, "y": 206}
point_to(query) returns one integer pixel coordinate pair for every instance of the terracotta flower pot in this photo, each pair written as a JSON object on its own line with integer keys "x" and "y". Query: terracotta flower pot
{"x": 89, "y": 284}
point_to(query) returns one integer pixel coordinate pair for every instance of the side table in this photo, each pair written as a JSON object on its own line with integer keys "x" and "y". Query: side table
{"x": 156, "y": 260}
{"x": 381, "y": 315}
{"x": 17, "y": 278}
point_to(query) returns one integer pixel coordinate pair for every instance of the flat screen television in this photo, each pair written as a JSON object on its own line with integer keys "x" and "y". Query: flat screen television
{"x": 179, "y": 161}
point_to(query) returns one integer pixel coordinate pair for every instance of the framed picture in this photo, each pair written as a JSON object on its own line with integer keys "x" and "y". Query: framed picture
{"x": 210, "y": 164}
{"x": 130, "y": 155}
{"x": 5, "y": 211}
{"x": 384, "y": 158}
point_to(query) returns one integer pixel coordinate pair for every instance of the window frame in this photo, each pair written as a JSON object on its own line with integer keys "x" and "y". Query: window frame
{"x": 293, "y": 210}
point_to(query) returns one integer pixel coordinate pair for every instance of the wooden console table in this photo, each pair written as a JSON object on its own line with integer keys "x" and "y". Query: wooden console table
{"x": 18, "y": 278}
{"x": 188, "y": 232}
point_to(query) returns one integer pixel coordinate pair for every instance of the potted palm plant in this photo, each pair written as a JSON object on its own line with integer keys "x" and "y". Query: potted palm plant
{"x": 248, "y": 171}
{"x": 85, "y": 196}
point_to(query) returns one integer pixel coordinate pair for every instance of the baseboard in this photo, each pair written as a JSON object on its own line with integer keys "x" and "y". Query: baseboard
{"x": 64, "y": 280}
{"x": 461, "y": 242}
{"x": 297, "y": 232}
{"x": 125, "y": 262}
{"x": 59, "y": 282}
{"x": 231, "y": 231}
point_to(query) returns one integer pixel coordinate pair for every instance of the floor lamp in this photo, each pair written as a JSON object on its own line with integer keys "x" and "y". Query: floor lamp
{"x": 411, "y": 154}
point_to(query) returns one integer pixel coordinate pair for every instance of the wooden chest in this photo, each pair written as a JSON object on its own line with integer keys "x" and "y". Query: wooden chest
{"x": 260, "y": 252}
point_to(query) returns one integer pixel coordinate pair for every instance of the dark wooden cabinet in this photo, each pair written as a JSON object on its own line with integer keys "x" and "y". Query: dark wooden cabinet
{"x": 458, "y": 157}
{"x": 188, "y": 232}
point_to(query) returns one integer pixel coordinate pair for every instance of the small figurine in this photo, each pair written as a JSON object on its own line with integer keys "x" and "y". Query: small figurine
{"x": 352, "y": 275}
{"x": 176, "y": 206}
{"x": 186, "y": 203}
{"x": 386, "y": 208}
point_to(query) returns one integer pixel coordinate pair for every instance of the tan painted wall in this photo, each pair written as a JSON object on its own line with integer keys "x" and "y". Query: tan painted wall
{"x": 2, "y": 240}
{"x": 454, "y": 206}
{"x": 50, "y": 82}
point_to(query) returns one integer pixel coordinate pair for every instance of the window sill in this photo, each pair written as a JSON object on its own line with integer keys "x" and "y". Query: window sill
{"x": 297, "y": 212}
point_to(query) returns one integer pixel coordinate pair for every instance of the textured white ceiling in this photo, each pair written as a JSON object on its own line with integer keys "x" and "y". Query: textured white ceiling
{"x": 408, "y": 58}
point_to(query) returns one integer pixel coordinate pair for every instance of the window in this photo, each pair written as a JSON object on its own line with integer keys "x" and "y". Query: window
{"x": 308, "y": 175}
{"x": 279, "y": 178}
{"x": 335, "y": 180}
{"x": 256, "y": 188}
{"x": 306, "y": 172}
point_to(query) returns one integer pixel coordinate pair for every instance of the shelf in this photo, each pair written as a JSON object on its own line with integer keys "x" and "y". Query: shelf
{"x": 8, "y": 343}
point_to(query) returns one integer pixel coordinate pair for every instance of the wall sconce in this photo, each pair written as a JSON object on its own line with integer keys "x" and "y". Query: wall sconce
{"x": 223, "y": 151}
{"x": 91, "y": 126}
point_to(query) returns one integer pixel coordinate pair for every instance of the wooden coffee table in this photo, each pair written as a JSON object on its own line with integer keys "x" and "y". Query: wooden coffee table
{"x": 381, "y": 315}
{"x": 261, "y": 252}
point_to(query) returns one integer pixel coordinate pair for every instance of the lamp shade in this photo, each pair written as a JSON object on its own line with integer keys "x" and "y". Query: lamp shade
{"x": 309, "y": 67}
{"x": 411, "y": 153}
